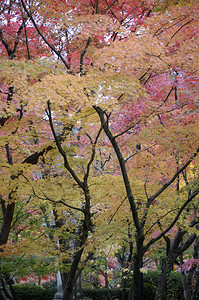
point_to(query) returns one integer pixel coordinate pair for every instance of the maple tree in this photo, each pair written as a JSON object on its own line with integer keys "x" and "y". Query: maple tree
{"x": 12, "y": 33}
{"x": 166, "y": 122}
{"x": 133, "y": 71}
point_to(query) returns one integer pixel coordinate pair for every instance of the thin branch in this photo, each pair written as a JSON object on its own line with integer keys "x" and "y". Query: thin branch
{"x": 129, "y": 128}
{"x": 150, "y": 75}
{"x": 8, "y": 154}
{"x": 137, "y": 152}
{"x": 106, "y": 160}
{"x": 9, "y": 51}
{"x": 6, "y": 7}
{"x": 49, "y": 199}
{"x": 82, "y": 55}
{"x": 34, "y": 158}
{"x": 96, "y": 6}
{"x": 2, "y": 30}
{"x": 45, "y": 40}
{"x": 117, "y": 210}
{"x": 17, "y": 37}
{"x": 152, "y": 241}
{"x": 179, "y": 30}
{"x": 166, "y": 238}
{"x": 92, "y": 155}
{"x": 160, "y": 30}
{"x": 187, "y": 244}
{"x": 39, "y": 236}
{"x": 142, "y": 77}
{"x": 70, "y": 206}
{"x": 26, "y": 35}
{"x": 109, "y": 6}
{"x": 147, "y": 149}
{"x": 145, "y": 190}
{"x": 159, "y": 57}
{"x": 159, "y": 219}
{"x": 93, "y": 5}
{"x": 166, "y": 185}
{"x": 61, "y": 151}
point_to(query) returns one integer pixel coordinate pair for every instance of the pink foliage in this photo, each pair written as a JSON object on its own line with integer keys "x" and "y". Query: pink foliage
{"x": 190, "y": 263}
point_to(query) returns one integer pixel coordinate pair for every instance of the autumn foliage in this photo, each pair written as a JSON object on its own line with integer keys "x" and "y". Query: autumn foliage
{"x": 99, "y": 131}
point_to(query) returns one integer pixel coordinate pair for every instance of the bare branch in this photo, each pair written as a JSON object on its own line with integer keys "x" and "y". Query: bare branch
{"x": 150, "y": 114}
{"x": 160, "y": 30}
{"x": 45, "y": 40}
{"x": 145, "y": 149}
{"x": 166, "y": 185}
{"x": 109, "y": 6}
{"x": 92, "y": 155}
{"x": 9, "y": 51}
{"x": 45, "y": 197}
{"x": 179, "y": 30}
{"x": 153, "y": 240}
{"x": 121, "y": 161}
{"x": 117, "y": 210}
{"x": 82, "y": 55}
{"x": 159, "y": 219}
{"x": 26, "y": 35}
{"x": 60, "y": 149}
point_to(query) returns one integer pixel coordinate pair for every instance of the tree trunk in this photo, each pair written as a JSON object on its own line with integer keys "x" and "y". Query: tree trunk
{"x": 8, "y": 212}
{"x": 123, "y": 287}
{"x": 167, "y": 267}
{"x": 72, "y": 275}
{"x": 78, "y": 288}
{"x": 136, "y": 290}
{"x": 2, "y": 295}
{"x": 173, "y": 252}
{"x": 4, "y": 290}
{"x": 137, "y": 286}
{"x": 186, "y": 289}
{"x": 190, "y": 286}
{"x": 196, "y": 289}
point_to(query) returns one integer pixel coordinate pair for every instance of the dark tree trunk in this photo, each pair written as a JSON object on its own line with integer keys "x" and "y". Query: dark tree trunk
{"x": 83, "y": 235}
{"x": 190, "y": 286}
{"x": 136, "y": 290}
{"x": 2, "y": 295}
{"x": 167, "y": 266}
{"x": 173, "y": 252}
{"x": 6, "y": 224}
{"x": 4, "y": 290}
{"x": 186, "y": 288}
{"x": 71, "y": 280}
{"x": 137, "y": 286}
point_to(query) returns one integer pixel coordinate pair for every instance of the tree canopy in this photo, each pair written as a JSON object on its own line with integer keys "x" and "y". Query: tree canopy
{"x": 99, "y": 126}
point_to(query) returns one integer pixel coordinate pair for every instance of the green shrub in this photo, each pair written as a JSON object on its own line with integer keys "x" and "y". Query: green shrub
{"x": 33, "y": 292}
{"x": 102, "y": 293}
{"x": 174, "y": 288}
{"x": 152, "y": 277}
{"x": 116, "y": 293}
{"x": 50, "y": 284}
{"x": 149, "y": 291}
